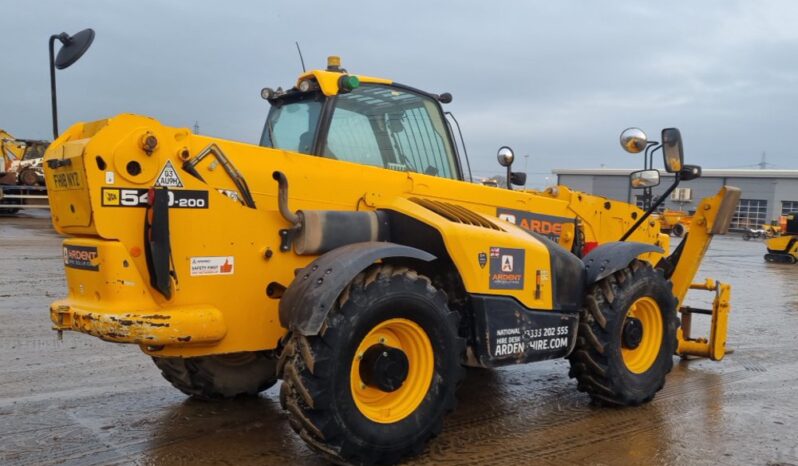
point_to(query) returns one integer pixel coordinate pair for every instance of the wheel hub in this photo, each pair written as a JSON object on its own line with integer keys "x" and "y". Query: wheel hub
{"x": 384, "y": 368}
{"x": 632, "y": 333}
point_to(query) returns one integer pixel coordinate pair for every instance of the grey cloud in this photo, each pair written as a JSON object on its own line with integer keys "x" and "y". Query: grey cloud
{"x": 555, "y": 80}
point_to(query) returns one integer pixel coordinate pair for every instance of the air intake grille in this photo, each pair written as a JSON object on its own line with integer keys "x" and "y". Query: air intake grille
{"x": 455, "y": 213}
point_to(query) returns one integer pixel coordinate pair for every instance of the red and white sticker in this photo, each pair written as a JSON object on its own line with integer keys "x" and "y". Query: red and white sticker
{"x": 212, "y": 265}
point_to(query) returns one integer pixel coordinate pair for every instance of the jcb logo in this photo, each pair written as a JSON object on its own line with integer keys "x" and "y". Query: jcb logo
{"x": 133, "y": 197}
{"x": 110, "y": 197}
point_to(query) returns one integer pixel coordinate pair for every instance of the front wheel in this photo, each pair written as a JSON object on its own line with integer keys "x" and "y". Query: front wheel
{"x": 374, "y": 386}
{"x": 221, "y": 376}
{"x": 627, "y": 337}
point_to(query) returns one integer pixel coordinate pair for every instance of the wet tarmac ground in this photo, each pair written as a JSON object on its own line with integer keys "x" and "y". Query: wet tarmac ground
{"x": 82, "y": 401}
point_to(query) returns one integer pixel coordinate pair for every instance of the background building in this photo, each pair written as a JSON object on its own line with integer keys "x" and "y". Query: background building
{"x": 766, "y": 194}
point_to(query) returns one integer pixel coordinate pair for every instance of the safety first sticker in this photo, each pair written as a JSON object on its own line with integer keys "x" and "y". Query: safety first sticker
{"x": 506, "y": 269}
{"x": 212, "y": 265}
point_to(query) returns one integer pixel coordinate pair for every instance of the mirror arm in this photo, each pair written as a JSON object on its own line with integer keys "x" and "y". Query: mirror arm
{"x": 509, "y": 174}
{"x": 653, "y": 207}
{"x": 648, "y": 159}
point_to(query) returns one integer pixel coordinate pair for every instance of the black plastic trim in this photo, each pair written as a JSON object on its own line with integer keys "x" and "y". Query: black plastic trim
{"x": 609, "y": 258}
{"x": 310, "y": 297}
{"x": 507, "y": 332}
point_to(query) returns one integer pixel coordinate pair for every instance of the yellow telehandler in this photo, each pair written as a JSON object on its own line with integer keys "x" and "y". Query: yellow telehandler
{"x": 347, "y": 255}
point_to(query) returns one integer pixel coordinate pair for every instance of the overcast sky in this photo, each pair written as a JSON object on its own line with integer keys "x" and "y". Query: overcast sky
{"x": 557, "y": 80}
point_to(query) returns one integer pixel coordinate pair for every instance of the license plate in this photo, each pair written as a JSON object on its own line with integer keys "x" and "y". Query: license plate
{"x": 63, "y": 181}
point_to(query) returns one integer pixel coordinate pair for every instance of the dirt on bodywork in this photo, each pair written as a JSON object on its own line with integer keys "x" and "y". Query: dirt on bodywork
{"x": 83, "y": 401}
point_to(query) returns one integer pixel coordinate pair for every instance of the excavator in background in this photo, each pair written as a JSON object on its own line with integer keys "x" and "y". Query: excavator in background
{"x": 21, "y": 174}
{"x": 348, "y": 256}
{"x": 783, "y": 248}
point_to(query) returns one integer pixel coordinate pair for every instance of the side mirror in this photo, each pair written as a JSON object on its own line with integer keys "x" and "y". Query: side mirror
{"x": 518, "y": 178}
{"x": 633, "y": 140}
{"x": 644, "y": 179}
{"x": 672, "y": 150}
{"x": 505, "y": 156}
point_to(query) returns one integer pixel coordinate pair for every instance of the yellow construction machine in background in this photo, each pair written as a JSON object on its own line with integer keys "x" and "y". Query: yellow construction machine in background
{"x": 784, "y": 248}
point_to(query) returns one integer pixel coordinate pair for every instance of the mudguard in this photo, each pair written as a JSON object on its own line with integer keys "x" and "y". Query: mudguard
{"x": 612, "y": 257}
{"x": 306, "y": 302}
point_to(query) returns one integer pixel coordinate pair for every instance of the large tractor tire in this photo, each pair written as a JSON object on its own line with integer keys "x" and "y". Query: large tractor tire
{"x": 627, "y": 337}
{"x": 375, "y": 384}
{"x": 220, "y": 377}
{"x": 28, "y": 177}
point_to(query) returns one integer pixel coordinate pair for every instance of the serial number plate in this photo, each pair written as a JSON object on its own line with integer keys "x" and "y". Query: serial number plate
{"x": 63, "y": 181}
{"x": 139, "y": 197}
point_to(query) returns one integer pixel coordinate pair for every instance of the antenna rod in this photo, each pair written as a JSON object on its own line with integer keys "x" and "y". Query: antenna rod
{"x": 300, "y": 56}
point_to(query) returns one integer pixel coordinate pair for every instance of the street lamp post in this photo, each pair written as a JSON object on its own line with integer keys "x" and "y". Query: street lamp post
{"x": 72, "y": 49}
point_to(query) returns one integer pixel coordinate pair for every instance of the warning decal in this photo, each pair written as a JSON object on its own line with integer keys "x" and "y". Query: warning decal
{"x": 506, "y": 269}
{"x": 213, "y": 265}
{"x": 169, "y": 176}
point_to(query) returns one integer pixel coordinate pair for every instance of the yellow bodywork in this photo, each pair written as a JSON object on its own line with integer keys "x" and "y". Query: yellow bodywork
{"x": 230, "y": 313}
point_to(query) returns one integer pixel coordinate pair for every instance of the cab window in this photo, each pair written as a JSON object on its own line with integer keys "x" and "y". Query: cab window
{"x": 291, "y": 124}
{"x": 390, "y": 128}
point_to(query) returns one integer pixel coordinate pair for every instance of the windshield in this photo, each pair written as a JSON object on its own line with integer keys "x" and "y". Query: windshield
{"x": 393, "y": 128}
{"x": 292, "y": 123}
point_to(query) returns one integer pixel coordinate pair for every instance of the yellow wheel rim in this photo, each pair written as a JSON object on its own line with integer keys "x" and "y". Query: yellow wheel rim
{"x": 390, "y": 407}
{"x": 640, "y": 359}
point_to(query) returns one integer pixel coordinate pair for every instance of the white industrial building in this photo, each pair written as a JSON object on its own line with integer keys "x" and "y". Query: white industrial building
{"x": 766, "y": 194}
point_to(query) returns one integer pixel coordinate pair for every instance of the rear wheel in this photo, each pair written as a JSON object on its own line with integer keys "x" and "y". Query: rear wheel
{"x": 375, "y": 385}
{"x": 28, "y": 177}
{"x": 627, "y": 337}
{"x": 678, "y": 230}
{"x": 220, "y": 376}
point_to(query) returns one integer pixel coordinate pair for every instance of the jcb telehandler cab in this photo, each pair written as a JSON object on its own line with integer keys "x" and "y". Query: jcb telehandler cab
{"x": 347, "y": 256}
